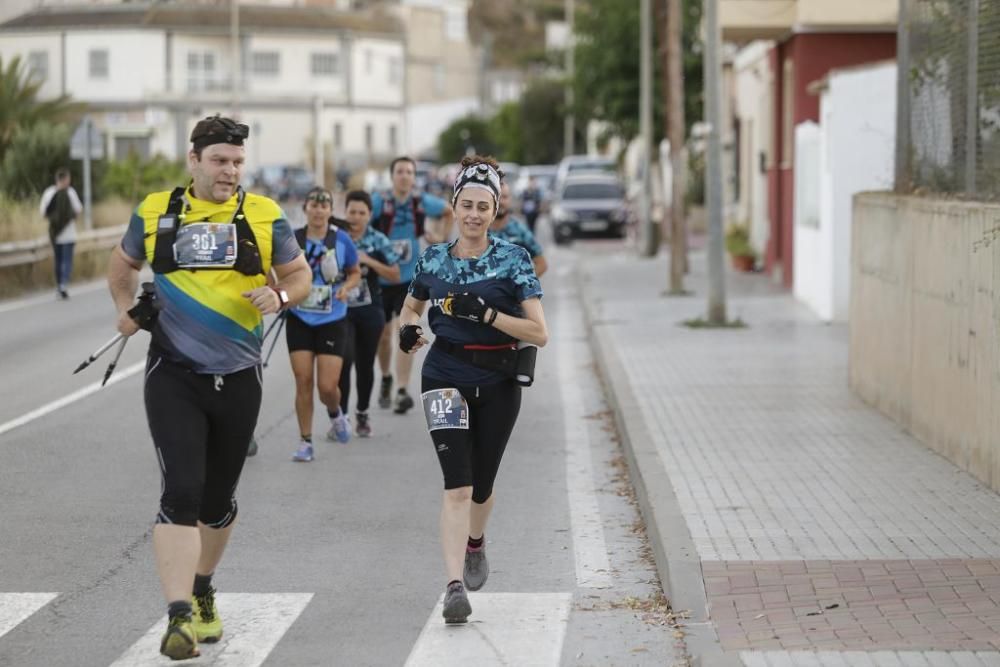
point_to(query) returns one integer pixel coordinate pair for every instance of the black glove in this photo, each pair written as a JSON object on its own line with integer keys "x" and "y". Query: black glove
{"x": 466, "y": 306}
{"x": 408, "y": 336}
{"x": 147, "y": 308}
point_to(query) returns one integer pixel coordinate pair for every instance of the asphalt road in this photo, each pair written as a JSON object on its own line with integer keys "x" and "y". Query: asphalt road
{"x": 332, "y": 563}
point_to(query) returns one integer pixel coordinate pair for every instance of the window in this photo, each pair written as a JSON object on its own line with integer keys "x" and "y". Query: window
{"x": 368, "y": 137}
{"x": 338, "y": 136}
{"x": 325, "y": 64}
{"x": 98, "y": 63}
{"x": 38, "y": 65}
{"x": 265, "y": 63}
{"x": 201, "y": 71}
{"x": 126, "y": 146}
{"x": 593, "y": 191}
{"x": 395, "y": 70}
{"x": 392, "y": 138}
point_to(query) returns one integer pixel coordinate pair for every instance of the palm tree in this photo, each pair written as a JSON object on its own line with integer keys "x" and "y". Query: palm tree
{"x": 19, "y": 103}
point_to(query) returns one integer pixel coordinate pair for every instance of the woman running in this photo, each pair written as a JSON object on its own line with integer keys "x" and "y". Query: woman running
{"x": 484, "y": 299}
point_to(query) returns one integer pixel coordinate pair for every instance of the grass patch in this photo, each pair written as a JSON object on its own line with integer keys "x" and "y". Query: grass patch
{"x": 21, "y": 221}
{"x": 702, "y": 323}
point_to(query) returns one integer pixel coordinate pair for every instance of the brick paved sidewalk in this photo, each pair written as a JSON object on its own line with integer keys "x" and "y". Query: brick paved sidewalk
{"x": 826, "y": 535}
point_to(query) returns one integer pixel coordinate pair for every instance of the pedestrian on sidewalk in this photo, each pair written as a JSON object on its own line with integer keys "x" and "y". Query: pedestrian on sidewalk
{"x": 484, "y": 299}
{"x": 509, "y": 228}
{"x": 210, "y": 245}
{"x": 61, "y": 205}
{"x": 401, "y": 214}
{"x": 316, "y": 330}
{"x": 365, "y": 316}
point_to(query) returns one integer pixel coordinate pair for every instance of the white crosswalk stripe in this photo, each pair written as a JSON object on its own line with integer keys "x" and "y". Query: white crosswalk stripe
{"x": 524, "y": 629}
{"x": 16, "y": 607}
{"x": 253, "y": 624}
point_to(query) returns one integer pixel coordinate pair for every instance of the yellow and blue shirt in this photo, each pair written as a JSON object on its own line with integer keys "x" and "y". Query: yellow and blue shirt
{"x": 205, "y": 323}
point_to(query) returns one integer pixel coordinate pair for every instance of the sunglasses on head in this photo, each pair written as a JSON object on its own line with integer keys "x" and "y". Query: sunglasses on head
{"x": 320, "y": 197}
{"x": 224, "y": 126}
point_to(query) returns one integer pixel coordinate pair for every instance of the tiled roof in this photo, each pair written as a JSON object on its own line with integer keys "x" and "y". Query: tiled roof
{"x": 200, "y": 18}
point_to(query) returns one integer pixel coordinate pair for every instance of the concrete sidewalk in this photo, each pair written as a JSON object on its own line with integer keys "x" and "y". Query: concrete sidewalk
{"x": 798, "y": 525}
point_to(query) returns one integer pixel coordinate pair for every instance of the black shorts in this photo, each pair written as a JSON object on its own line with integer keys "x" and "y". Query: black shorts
{"x": 393, "y": 297}
{"x": 323, "y": 339}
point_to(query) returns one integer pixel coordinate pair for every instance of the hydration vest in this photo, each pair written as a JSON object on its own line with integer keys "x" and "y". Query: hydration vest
{"x": 248, "y": 261}
{"x": 329, "y": 242}
{"x": 388, "y": 218}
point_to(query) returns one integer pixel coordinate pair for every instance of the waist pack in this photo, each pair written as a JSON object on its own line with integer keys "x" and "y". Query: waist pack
{"x": 515, "y": 360}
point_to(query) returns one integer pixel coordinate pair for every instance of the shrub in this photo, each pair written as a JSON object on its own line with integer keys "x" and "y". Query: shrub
{"x": 738, "y": 241}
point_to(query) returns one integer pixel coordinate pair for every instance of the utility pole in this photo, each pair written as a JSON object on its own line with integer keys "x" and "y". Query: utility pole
{"x": 234, "y": 56}
{"x": 647, "y": 234}
{"x": 713, "y": 167}
{"x": 675, "y": 135}
{"x": 569, "y": 120}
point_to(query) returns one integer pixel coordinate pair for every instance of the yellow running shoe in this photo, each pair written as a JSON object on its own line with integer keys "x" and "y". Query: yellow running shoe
{"x": 207, "y": 624}
{"x": 180, "y": 641}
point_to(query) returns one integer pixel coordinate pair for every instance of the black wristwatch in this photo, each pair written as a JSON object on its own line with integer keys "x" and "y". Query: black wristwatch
{"x": 282, "y": 297}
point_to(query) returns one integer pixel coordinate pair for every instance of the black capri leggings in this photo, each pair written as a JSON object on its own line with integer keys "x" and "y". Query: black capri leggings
{"x": 201, "y": 427}
{"x": 366, "y": 324}
{"x": 471, "y": 457}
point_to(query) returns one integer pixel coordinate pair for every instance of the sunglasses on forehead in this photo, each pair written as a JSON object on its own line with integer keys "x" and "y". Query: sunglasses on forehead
{"x": 319, "y": 197}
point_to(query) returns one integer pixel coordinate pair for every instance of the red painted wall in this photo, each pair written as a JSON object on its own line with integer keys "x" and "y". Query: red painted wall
{"x": 813, "y": 55}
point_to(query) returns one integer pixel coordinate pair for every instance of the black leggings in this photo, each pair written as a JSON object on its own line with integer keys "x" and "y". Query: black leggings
{"x": 471, "y": 457}
{"x": 366, "y": 324}
{"x": 201, "y": 427}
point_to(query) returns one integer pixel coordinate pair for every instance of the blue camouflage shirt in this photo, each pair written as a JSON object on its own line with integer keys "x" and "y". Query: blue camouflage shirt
{"x": 503, "y": 276}
{"x": 377, "y": 246}
{"x": 518, "y": 233}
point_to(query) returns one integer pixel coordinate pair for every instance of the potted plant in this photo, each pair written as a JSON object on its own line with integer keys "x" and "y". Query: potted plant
{"x": 744, "y": 257}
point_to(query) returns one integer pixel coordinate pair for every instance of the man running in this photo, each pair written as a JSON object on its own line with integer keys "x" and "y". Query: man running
{"x": 210, "y": 246}
{"x": 401, "y": 216}
{"x": 513, "y": 230}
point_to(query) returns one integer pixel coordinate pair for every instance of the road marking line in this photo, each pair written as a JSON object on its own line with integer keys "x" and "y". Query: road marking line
{"x": 17, "y": 607}
{"x": 83, "y": 392}
{"x": 593, "y": 568}
{"x": 253, "y": 625}
{"x": 523, "y": 629}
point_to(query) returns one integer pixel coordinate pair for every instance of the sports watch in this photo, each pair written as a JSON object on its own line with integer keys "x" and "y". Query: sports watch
{"x": 282, "y": 297}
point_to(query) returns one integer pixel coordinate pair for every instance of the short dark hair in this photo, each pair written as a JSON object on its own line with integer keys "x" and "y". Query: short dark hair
{"x": 61, "y": 173}
{"x": 216, "y": 130}
{"x": 358, "y": 195}
{"x": 401, "y": 158}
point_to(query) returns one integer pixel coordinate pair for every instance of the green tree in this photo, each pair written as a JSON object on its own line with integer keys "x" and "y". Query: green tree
{"x": 133, "y": 177}
{"x": 606, "y": 80}
{"x": 19, "y": 104}
{"x": 542, "y": 110}
{"x": 507, "y": 131}
{"x": 467, "y": 133}
{"x": 33, "y": 154}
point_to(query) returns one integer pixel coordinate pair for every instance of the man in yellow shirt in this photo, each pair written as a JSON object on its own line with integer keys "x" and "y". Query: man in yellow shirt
{"x": 211, "y": 246}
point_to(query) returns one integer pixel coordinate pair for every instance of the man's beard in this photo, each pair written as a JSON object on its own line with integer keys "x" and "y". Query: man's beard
{"x": 502, "y": 213}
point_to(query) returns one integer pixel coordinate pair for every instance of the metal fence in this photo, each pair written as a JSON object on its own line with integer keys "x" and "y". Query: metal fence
{"x": 948, "y": 124}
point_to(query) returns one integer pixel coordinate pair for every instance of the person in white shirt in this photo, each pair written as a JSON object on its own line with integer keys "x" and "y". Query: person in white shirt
{"x": 61, "y": 205}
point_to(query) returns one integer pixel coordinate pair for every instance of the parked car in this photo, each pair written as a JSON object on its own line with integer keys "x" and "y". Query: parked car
{"x": 282, "y": 182}
{"x": 572, "y": 164}
{"x": 544, "y": 175}
{"x": 589, "y": 203}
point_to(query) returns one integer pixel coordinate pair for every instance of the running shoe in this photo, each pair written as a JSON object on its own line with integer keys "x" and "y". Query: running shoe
{"x": 340, "y": 428}
{"x": 477, "y": 568}
{"x": 403, "y": 402}
{"x": 364, "y": 427}
{"x": 180, "y": 641}
{"x": 252, "y": 449}
{"x": 456, "y": 604}
{"x": 304, "y": 453}
{"x": 385, "y": 393}
{"x": 205, "y": 619}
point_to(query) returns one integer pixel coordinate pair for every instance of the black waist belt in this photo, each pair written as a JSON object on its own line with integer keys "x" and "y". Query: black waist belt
{"x": 506, "y": 359}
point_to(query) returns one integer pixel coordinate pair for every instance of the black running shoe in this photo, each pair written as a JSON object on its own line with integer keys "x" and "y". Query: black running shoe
{"x": 403, "y": 402}
{"x": 385, "y": 393}
{"x": 456, "y": 604}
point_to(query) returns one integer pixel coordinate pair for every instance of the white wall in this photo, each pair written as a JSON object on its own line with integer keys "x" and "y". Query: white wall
{"x": 135, "y": 65}
{"x": 425, "y": 122}
{"x": 856, "y": 154}
{"x": 295, "y": 77}
{"x": 21, "y": 44}
{"x": 752, "y": 73}
{"x": 813, "y": 268}
{"x": 370, "y": 66}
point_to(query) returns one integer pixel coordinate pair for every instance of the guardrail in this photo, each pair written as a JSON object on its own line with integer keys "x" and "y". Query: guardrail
{"x": 17, "y": 253}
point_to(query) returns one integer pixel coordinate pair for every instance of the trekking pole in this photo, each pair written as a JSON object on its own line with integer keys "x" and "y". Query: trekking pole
{"x": 98, "y": 352}
{"x": 269, "y": 328}
{"x": 277, "y": 335}
{"x": 114, "y": 362}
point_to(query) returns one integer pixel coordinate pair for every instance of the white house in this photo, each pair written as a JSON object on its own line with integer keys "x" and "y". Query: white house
{"x": 150, "y": 71}
{"x": 851, "y": 150}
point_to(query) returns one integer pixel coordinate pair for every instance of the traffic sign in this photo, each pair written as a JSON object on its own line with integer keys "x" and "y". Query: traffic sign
{"x": 78, "y": 142}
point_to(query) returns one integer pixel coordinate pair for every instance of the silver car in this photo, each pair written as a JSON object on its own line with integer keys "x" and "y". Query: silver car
{"x": 589, "y": 203}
